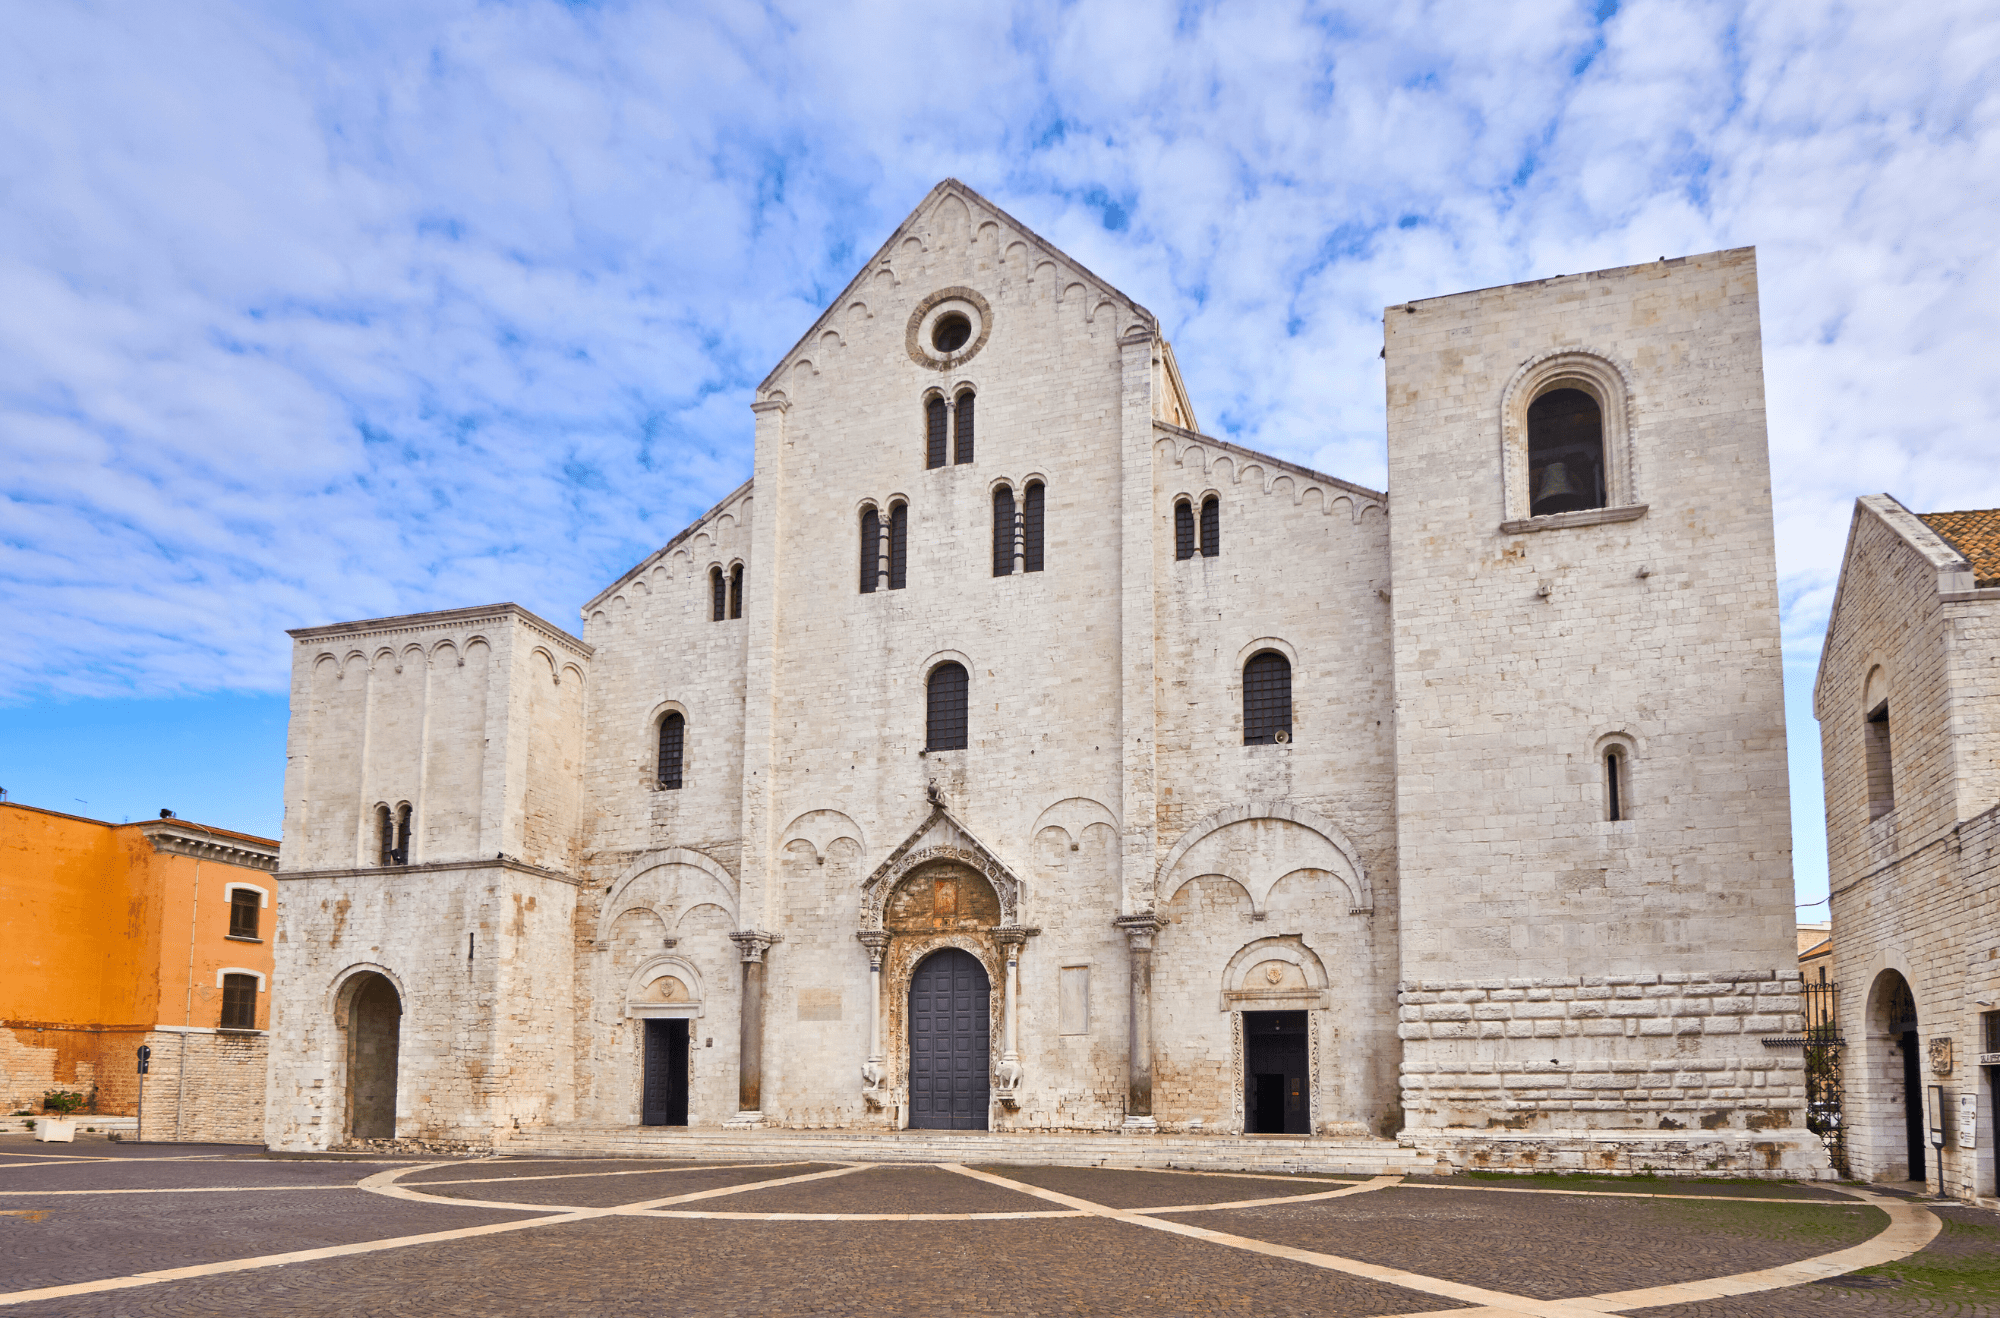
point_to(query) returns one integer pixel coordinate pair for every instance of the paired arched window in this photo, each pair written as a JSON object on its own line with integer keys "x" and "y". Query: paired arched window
{"x": 961, "y": 427}
{"x": 874, "y": 549}
{"x": 1185, "y": 541}
{"x": 1267, "y": 699}
{"x": 945, "y": 708}
{"x": 1183, "y": 529}
{"x": 1211, "y": 527}
{"x": 1565, "y": 453}
{"x": 736, "y": 591}
{"x": 718, "y": 592}
{"x": 1017, "y": 530}
{"x": 673, "y": 745}
{"x": 934, "y": 430}
{"x": 393, "y": 834}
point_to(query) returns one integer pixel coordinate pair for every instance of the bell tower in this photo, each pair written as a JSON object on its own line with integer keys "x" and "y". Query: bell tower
{"x": 1592, "y": 812}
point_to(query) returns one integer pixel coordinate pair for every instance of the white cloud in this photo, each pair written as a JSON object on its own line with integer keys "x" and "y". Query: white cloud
{"x": 319, "y": 312}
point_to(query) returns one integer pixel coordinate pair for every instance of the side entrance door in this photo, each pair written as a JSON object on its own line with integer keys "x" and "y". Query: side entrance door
{"x": 665, "y": 1099}
{"x": 1275, "y": 1079}
{"x": 950, "y": 1048}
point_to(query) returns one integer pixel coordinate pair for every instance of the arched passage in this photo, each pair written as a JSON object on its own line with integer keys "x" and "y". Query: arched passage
{"x": 1893, "y": 1047}
{"x": 950, "y": 1042}
{"x": 374, "y": 1037}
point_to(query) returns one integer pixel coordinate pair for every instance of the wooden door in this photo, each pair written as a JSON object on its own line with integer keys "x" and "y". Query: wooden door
{"x": 950, "y": 1043}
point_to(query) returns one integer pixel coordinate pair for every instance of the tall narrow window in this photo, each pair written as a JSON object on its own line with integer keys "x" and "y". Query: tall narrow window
{"x": 1267, "y": 699}
{"x": 718, "y": 594}
{"x": 944, "y": 714}
{"x": 899, "y": 545}
{"x": 961, "y": 427}
{"x": 1183, "y": 529}
{"x": 1003, "y": 531}
{"x": 1614, "y": 785}
{"x": 1565, "y": 453}
{"x": 673, "y": 739}
{"x": 934, "y": 431}
{"x": 1031, "y": 528}
{"x": 385, "y": 836}
{"x": 1211, "y": 526}
{"x": 402, "y": 852}
{"x": 244, "y": 905}
{"x": 1881, "y": 765}
{"x": 736, "y": 591}
{"x": 239, "y": 1002}
{"x": 871, "y": 549}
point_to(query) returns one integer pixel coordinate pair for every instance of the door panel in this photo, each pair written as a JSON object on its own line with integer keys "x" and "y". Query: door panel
{"x": 950, "y": 1042}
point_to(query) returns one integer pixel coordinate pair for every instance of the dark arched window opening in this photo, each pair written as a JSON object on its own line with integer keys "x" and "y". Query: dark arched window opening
{"x": 1881, "y": 763}
{"x": 239, "y": 1002}
{"x": 1003, "y": 531}
{"x": 1031, "y": 529}
{"x": 1565, "y": 453}
{"x": 1267, "y": 699}
{"x": 736, "y": 591}
{"x": 1614, "y": 785}
{"x": 400, "y": 855}
{"x": 385, "y": 836}
{"x": 673, "y": 738}
{"x": 1211, "y": 527}
{"x": 1183, "y": 529}
{"x": 899, "y": 545}
{"x": 934, "y": 431}
{"x": 944, "y": 716}
{"x": 961, "y": 427}
{"x": 871, "y": 550}
{"x": 718, "y": 593}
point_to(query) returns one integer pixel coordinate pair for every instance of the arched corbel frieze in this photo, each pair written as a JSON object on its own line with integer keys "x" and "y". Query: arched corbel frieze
{"x": 1356, "y": 876}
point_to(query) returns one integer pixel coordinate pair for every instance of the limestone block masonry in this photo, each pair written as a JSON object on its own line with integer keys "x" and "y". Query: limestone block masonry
{"x": 1203, "y": 766}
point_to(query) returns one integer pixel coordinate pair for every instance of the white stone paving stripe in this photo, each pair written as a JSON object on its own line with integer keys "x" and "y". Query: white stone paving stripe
{"x": 641, "y": 1171}
{"x": 186, "y": 1189}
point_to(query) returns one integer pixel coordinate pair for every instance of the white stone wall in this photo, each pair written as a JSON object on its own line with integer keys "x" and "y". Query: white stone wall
{"x": 1914, "y": 890}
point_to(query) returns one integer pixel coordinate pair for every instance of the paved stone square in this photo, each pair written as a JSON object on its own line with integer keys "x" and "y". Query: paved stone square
{"x": 100, "y": 1228}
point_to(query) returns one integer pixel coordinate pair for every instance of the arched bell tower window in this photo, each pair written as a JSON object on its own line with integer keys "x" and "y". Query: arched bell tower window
{"x": 961, "y": 427}
{"x": 899, "y": 545}
{"x": 1211, "y": 527}
{"x": 1183, "y": 529}
{"x": 1565, "y": 452}
{"x": 718, "y": 594}
{"x": 1031, "y": 527}
{"x": 736, "y": 591}
{"x": 871, "y": 549}
{"x": 934, "y": 430}
{"x": 1003, "y": 530}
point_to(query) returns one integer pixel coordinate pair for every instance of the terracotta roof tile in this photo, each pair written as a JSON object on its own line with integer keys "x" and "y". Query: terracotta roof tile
{"x": 1975, "y": 534}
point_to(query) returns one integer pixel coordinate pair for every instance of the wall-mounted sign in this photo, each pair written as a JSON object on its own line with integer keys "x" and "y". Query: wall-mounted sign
{"x": 1968, "y": 1121}
{"x": 1936, "y": 1106}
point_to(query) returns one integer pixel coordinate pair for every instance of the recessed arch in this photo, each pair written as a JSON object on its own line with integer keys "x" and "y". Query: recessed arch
{"x": 1308, "y": 992}
{"x": 1603, "y": 379}
{"x": 1345, "y": 862}
{"x": 715, "y": 886}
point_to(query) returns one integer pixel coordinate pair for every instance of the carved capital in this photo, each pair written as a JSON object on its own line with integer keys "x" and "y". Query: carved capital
{"x": 877, "y": 943}
{"x": 751, "y": 944}
{"x": 1140, "y": 929}
{"x": 1013, "y": 935}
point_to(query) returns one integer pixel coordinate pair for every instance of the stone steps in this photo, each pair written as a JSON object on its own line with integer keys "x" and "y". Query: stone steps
{"x": 1278, "y": 1153}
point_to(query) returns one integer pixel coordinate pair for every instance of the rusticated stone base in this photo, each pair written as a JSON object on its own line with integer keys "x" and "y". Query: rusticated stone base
{"x": 1789, "y": 1154}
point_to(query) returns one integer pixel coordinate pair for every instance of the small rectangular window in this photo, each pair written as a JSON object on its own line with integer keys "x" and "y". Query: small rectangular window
{"x": 244, "y": 905}
{"x": 239, "y": 1002}
{"x": 1075, "y": 1006}
{"x": 1881, "y": 763}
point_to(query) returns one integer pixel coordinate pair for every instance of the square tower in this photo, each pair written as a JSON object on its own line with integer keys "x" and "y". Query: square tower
{"x": 1593, "y": 822}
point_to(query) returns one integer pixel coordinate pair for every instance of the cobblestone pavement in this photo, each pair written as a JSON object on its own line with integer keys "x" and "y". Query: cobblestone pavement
{"x": 239, "y": 1233}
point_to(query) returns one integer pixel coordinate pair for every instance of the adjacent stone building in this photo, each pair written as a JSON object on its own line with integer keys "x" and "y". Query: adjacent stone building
{"x": 1908, "y": 701}
{"x": 1009, "y": 754}
{"x": 115, "y": 937}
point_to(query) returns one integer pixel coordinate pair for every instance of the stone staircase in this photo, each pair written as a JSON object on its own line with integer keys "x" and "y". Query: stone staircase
{"x": 1353, "y": 1156}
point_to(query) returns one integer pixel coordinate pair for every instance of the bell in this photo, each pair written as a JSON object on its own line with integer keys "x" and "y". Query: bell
{"x": 1557, "y": 495}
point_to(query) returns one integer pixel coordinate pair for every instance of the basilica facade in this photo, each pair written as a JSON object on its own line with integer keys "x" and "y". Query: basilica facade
{"x": 1008, "y": 753}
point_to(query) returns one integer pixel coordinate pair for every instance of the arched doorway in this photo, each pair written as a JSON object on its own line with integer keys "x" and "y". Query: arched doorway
{"x": 374, "y": 1036}
{"x": 1897, "y": 1122}
{"x": 950, "y": 1042}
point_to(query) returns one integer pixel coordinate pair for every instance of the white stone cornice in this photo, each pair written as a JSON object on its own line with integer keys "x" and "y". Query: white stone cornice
{"x": 431, "y": 622}
{"x": 174, "y": 838}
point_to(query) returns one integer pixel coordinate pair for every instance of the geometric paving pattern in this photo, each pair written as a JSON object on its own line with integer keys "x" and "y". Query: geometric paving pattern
{"x": 177, "y": 1229}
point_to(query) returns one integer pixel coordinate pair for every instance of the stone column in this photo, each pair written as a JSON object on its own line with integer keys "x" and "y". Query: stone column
{"x": 751, "y": 945}
{"x": 1010, "y": 939}
{"x": 873, "y": 1071}
{"x": 1139, "y": 931}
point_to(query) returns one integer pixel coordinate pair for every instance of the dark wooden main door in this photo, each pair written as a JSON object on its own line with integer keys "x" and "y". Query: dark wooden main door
{"x": 665, "y": 1098}
{"x": 950, "y": 1048}
{"x": 1276, "y": 1074}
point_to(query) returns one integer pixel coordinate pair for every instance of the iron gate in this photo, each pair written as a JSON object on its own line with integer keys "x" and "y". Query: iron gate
{"x": 1822, "y": 1044}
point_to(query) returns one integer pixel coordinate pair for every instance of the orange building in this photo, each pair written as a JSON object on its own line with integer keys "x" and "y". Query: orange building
{"x": 114, "y": 936}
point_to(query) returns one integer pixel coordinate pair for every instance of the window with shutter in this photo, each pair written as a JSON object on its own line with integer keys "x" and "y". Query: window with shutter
{"x": 961, "y": 427}
{"x": 1183, "y": 529}
{"x": 1211, "y": 527}
{"x": 244, "y": 906}
{"x": 1267, "y": 699}
{"x": 934, "y": 431}
{"x": 871, "y": 550}
{"x": 899, "y": 545}
{"x": 239, "y": 1002}
{"x": 673, "y": 737}
{"x": 1003, "y": 531}
{"x": 945, "y": 721}
{"x": 1031, "y": 529}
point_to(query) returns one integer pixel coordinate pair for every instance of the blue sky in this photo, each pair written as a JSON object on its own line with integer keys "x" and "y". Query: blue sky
{"x": 323, "y": 312}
